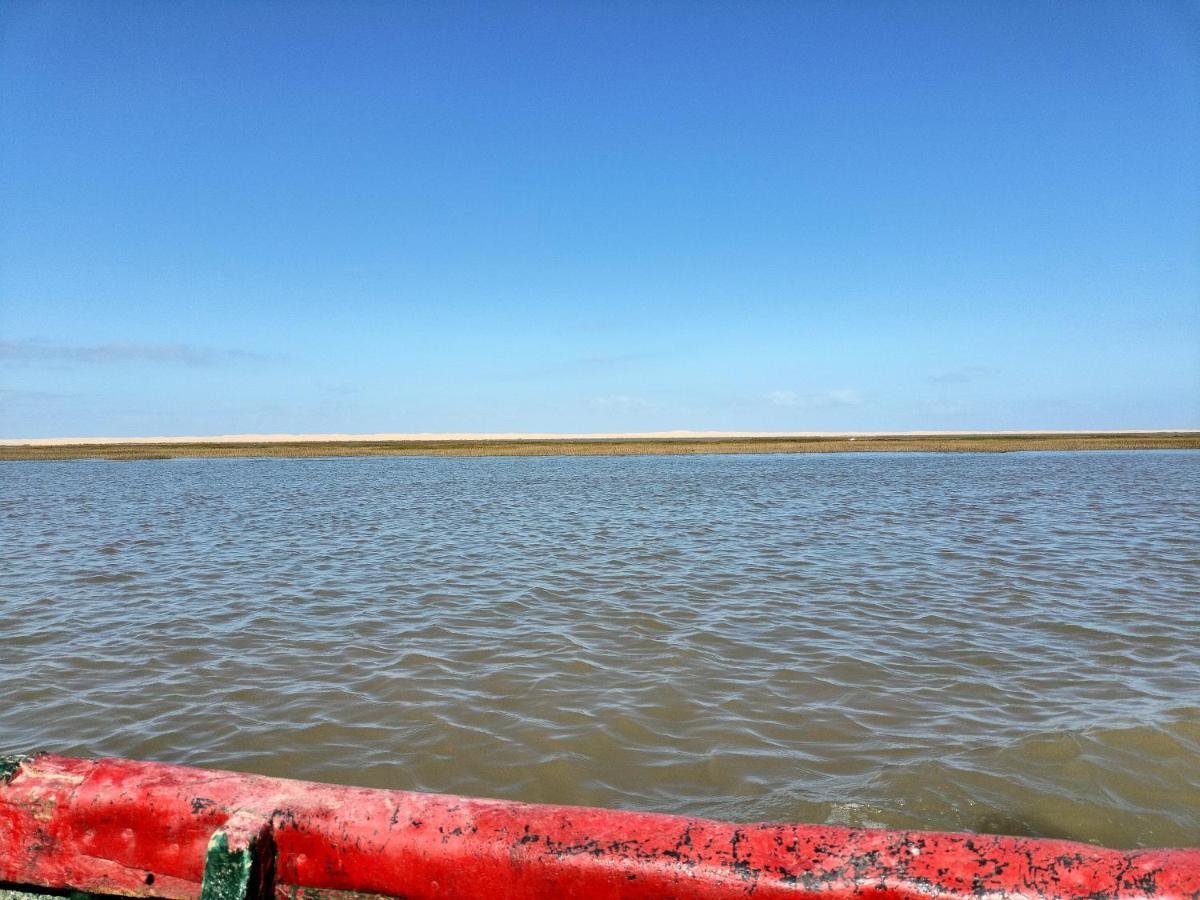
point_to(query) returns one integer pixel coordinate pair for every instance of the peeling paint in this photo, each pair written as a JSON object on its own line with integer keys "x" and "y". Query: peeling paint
{"x": 122, "y": 827}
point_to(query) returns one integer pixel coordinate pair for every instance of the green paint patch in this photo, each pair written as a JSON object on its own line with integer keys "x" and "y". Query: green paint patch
{"x": 30, "y": 892}
{"x": 242, "y": 874}
{"x": 9, "y": 765}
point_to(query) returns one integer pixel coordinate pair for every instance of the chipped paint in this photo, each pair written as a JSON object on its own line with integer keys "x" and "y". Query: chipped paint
{"x": 118, "y": 822}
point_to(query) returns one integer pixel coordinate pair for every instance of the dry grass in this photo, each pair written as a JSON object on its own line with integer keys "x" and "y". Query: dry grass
{"x": 616, "y": 446}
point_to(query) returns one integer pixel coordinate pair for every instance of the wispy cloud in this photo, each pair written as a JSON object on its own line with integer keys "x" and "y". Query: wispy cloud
{"x": 15, "y": 396}
{"x": 600, "y": 360}
{"x": 35, "y": 352}
{"x": 818, "y": 400}
{"x": 962, "y": 375}
{"x": 620, "y": 403}
{"x": 945, "y": 408}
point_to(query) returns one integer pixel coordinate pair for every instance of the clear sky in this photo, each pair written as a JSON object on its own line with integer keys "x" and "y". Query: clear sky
{"x": 557, "y": 216}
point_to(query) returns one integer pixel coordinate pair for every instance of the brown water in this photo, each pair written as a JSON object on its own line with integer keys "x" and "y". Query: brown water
{"x": 993, "y": 642}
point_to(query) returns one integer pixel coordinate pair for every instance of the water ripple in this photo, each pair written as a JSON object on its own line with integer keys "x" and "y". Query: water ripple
{"x": 990, "y": 642}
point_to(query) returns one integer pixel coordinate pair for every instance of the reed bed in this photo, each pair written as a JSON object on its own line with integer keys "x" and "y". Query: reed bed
{"x": 986, "y": 443}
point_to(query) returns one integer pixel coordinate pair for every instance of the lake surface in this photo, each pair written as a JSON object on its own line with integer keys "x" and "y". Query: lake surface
{"x": 1000, "y": 643}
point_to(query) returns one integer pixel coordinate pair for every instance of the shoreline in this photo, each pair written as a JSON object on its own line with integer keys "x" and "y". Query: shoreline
{"x": 435, "y": 436}
{"x": 656, "y": 444}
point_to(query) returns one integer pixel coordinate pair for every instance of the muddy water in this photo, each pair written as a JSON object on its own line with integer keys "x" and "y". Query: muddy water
{"x": 993, "y": 642}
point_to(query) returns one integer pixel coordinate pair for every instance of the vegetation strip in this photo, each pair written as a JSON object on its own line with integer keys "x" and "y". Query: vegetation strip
{"x": 985, "y": 443}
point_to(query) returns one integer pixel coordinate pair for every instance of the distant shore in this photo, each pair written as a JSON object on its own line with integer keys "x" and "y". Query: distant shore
{"x": 657, "y": 443}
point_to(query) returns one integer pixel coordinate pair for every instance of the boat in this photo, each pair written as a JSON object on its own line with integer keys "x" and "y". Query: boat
{"x": 119, "y": 827}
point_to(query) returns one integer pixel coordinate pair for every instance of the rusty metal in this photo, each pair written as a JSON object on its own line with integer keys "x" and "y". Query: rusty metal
{"x": 142, "y": 829}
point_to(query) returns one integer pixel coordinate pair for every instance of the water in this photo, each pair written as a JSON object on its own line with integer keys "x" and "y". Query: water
{"x": 1002, "y": 643}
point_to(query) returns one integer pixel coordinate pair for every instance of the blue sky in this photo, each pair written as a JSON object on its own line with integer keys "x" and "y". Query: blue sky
{"x": 362, "y": 217}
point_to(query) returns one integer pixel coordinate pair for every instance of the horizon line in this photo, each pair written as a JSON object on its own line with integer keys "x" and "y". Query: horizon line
{"x": 432, "y": 436}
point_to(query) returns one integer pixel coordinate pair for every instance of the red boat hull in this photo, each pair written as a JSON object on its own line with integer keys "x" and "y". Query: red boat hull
{"x": 121, "y": 827}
